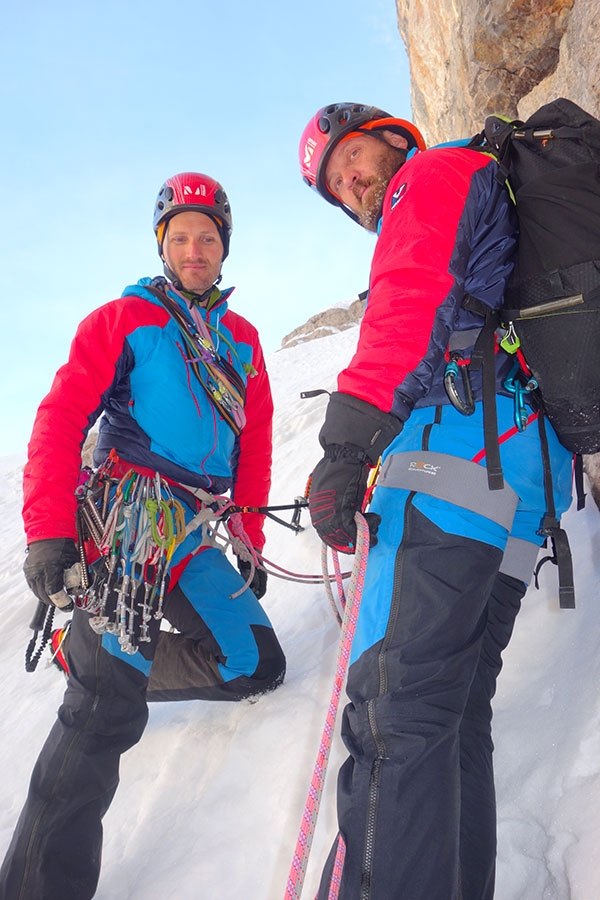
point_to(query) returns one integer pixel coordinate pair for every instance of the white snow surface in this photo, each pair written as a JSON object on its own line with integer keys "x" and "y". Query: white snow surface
{"x": 211, "y": 799}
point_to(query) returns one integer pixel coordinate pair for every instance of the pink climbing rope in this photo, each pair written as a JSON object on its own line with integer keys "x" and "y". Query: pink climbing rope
{"x": 351, "y": 605}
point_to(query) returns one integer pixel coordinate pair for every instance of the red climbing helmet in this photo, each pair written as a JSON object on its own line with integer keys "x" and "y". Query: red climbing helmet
{"x": 332, "y": 123}
{"x": 195, "y": 192}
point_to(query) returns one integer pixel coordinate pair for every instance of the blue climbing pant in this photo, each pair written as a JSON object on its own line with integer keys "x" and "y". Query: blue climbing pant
{"x": 416, "y": 803}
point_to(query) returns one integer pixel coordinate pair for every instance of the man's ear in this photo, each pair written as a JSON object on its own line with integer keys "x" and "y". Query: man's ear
{"x": 394, "y": 140}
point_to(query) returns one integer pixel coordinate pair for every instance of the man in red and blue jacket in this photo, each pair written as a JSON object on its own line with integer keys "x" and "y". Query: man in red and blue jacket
{"x": 450, "y": 558}
{"x": 136, "y": 363}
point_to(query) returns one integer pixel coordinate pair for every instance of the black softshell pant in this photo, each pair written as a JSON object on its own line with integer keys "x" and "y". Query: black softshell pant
{"x": 55, "y": 852}
{"x": 416, "y": 801}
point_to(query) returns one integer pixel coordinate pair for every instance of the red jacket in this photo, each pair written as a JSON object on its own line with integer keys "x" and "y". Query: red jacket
{"x": 447, "y": 229}
{"x": 126, "y": 361}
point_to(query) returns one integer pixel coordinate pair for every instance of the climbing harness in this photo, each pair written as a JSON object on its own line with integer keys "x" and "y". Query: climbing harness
{"x": 129, "y": 526}
{"x": 350, "y": 603}
{"x": 218, "y": 378}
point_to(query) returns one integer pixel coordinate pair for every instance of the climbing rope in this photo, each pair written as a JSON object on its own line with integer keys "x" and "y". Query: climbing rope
{"x": 350, "y": 602}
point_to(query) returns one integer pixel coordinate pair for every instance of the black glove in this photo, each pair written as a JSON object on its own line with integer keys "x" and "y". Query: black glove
{"x": 45, "y": 566}
{"x": 354, "y": 436}
{"x": 258, "y": 585}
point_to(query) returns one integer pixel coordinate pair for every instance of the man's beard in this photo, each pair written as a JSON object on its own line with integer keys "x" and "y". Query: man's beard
{"x": 370, "y": 214}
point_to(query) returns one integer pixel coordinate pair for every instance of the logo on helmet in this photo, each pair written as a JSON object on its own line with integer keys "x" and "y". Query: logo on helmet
{"x": 199, "y": 192}
{"x": 309, "y": 149}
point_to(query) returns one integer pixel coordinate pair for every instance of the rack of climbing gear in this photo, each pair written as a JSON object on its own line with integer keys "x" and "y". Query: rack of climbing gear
{"x": 132, "y": 525}
{"x": 129, "y": 525}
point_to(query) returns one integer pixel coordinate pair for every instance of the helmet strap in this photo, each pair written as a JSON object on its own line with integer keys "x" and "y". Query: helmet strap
{"x": 212, "y": 293}
{"x": 194, "y": 298}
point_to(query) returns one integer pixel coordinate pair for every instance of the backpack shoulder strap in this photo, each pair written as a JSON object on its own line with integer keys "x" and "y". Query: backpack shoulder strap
{"x": 499, "y": 132}
{"x": 483, "y": 358}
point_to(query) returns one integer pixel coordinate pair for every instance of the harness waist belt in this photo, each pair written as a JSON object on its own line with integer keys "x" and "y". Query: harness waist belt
{"x": 458, "y": 481}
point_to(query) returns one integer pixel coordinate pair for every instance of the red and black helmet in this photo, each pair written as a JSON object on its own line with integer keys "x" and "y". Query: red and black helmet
{"x": 195, "y": 192}
{"x": 332, "y": 123}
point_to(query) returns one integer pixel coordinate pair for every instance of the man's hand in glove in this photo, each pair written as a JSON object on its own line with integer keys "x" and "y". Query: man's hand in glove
{"x": 258, "y": 585}
{"x": 354, "y": 435}
{"x": 45, "y": 566}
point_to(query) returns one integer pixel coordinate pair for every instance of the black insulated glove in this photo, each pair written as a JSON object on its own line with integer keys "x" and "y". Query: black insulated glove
{"x": 354, "y": 436}
{"x": 337, "y": 491}
{"x": 258, "y": 585}
{"x": 45, "y": 567}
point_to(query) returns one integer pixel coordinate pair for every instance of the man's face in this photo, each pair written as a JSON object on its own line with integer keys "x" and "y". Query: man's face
{"x": 193, "y": 250}
{"x": 359, "y": 171}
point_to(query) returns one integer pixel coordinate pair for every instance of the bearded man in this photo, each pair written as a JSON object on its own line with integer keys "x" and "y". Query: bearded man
{"x": 455, "y": 527}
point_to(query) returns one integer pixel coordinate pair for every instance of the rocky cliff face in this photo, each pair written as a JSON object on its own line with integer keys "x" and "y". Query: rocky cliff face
{"x": 471, "y": 58}
{"x": 338, "y": 318}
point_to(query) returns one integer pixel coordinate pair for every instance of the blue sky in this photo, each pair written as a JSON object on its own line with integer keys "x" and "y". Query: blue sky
{"x": 102, "y": 102}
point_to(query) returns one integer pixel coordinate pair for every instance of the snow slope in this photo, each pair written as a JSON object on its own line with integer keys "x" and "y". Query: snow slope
{"x": 211, "y": 799}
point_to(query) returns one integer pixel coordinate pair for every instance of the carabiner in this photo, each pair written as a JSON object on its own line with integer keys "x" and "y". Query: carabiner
{"x": 466, "y": 406}
{"x": 514, "y": 387}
